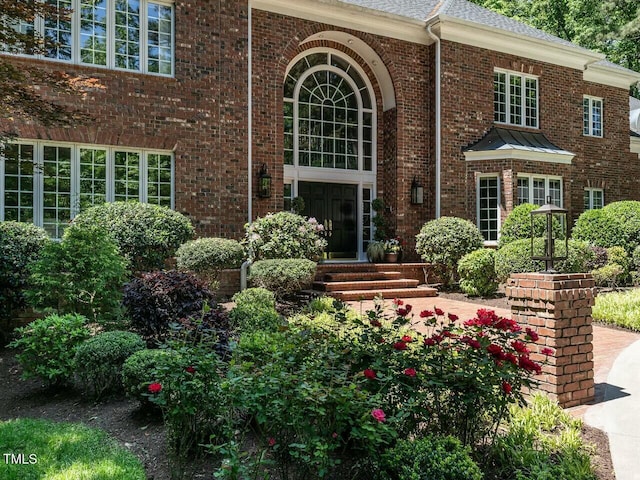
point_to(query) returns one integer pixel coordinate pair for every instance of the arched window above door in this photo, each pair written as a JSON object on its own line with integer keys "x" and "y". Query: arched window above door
{"x": 328, "y": 114}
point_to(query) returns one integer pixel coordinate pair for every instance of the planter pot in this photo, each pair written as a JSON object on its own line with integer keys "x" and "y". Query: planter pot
{"x": 391, "y": 257}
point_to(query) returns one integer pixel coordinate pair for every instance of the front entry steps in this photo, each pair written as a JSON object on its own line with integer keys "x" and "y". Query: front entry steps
{"x": 365, "y": 281}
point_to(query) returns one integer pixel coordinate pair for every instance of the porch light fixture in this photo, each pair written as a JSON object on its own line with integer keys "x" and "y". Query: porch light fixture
{"x": 264, "y": 182}
{"x": 551, "y": 212}
{"x": 417, "y": 192}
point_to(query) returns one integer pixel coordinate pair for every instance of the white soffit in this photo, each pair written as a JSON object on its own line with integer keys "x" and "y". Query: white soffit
{"x": 614, "y": 77}
{"x": 343, "y": 15}
{"x": 635, "y": 145}
{"x": 518, "y": 154}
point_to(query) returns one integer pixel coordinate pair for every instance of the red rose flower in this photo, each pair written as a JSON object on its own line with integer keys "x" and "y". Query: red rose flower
{"x": 369, "y": 373}
{"x": 449, "y": 334}
{"x": 402, "y": 312}
{"x": 272, "y": 441}
{"x": 496, "y": 351}
{"x": 519, "y": 347}
{"x": 438, "y": 311}
{"x": 400, "y": 346}
{"x": 529, "y": 365}
{"x": 376, "y": 323}
{"x": 408, "y": 308}
{"x": 506, "y": 388}
{"x": 532, "y": 335}
{"x": 510, "y": 357}
{"x": 453, "y": 317}
{"x": 190, "y": 369}
{"x": 472, "y": 342}
{"x": 407, "y": 339}
{"x": 429, "y": 342}
{"x": 426, "y": 314}
{"x": 547, "y": 351}
{"x": 155, "y": 388}
{"x": 398, "y": 302}
{"x": 378, "y": 414}
{"x": 410, "y": 372}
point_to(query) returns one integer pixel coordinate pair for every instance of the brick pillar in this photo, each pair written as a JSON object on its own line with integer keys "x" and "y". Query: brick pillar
{"x": 558, "y": 308}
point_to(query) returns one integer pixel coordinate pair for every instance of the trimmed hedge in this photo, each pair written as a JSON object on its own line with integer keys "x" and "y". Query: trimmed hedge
{"x": 283, "y": 276}
{"x": 517, "y": 225}
{"x": 146, "y": 234}
{"x": 138, "y": 370}
{"x": 617, "y": 224}
{"x": 208, "y": 256}
{"x": 477, "y": 273}
{"x": 255, "y": 309}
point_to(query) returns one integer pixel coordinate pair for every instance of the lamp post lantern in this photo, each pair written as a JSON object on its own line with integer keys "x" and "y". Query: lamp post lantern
{"x": 551, "y": 212}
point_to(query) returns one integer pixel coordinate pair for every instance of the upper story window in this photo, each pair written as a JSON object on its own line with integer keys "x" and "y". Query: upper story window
{"x": 592, "y": 116}
{"x": 515, "y": 99}
{"x": 135, "y": 35}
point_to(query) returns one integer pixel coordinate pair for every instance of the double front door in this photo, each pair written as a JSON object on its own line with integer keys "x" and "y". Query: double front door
{"x": 334, "y": 205}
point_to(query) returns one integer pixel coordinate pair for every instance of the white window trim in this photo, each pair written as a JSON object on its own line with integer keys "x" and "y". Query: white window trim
{"x": 546, "y": 178}
{"x": 523, "y": 123}
{"x": 38, "y": 177}
{"x": 489, "y": 243}
{"x": 593, "y": 99}
{"x": 75, "y": 39}
{"x": 590, "y": 191}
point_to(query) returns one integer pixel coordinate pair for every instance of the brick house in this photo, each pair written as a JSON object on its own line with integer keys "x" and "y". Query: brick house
{"x": 349, "y": 100}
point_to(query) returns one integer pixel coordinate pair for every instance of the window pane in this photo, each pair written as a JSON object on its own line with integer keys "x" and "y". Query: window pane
{"x": 160, "y": 38}
{"x": 586, "y": 116}
{"x": 488, "y": 199}
{"x": 539, "y": 193}
{"x": 523, "y": 191}
{"x": 57, "y": 31}
{"x": 531, "y": 99}
{"x": 598, "y": 199}
{"x": 596, "y": 120}
{"x": 93, "y": 177}
{"x": 555, "y": 192}
{"x": 126, "y": 176}
{"x": 93, "y": 32}
{"x": 18, "y": 183}
{"x": 515, "y": 99}
{"x": 159, "y": 179}
{"x": 127, "y": 34}
{"x": 57, "y": 190}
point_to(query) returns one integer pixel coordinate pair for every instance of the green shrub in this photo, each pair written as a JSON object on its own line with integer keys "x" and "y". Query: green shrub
{"x": 477, "y": 273}
{"x": 146, "y": 234}
{"x": 611, "y": 275}
{"x": 64, "y": 451}
{"x": 541, "y": 442}
{"x": 49, "y": 346}
{"x": 619, "y": 308}
{"x": 517, "y": 225}
{"x": 84, "y": 273}
{"x": 446, "y": 240}
{"x": 636, "y": 258}
{"x": 617, "y": 224}
{"x": 208, "y": 256}
{"x": 515, "y": 257}
{"x": 283, "y": 276}
{"x": 618, "y": 255}
{"x": 255, "y": 309}
{"x": 284, "y": 235}
{"x": 428, "y": 458}
{"x": 138, "y": 371}
{"x": 20, "y": 245}
{"x": 99, "y": 360}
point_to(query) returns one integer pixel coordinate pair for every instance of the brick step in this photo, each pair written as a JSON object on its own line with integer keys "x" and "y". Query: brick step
{"x": 389, "y": 294}
{"x": 324, "y": 268}
{"x": 365, "y": 285}
{"x": 355, "y": 276}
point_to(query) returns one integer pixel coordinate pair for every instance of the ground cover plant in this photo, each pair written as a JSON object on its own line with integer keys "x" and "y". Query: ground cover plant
{"x": 63, "y": 451}
{"x": 618, "y": 308}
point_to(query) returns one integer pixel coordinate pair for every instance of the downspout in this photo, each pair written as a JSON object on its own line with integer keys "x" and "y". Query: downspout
{"x": 436, "y": 39}
{"x": 245, "y": 265}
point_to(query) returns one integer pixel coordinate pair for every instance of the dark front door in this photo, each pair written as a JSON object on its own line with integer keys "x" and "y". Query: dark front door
{"x": 335, "y": 206}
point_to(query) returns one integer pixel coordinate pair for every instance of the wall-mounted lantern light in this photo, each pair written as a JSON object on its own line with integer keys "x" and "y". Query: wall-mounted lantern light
{"x": 264, "y": 182}
{"x": 560, "y": 215}
{"x": 417, "y": 192}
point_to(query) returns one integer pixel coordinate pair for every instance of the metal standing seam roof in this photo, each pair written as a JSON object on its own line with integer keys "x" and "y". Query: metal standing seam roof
{"x": 498, "y": 139}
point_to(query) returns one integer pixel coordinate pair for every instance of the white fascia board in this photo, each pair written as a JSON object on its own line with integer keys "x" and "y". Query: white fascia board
{"x": 613, "y": 77}
{"x": 634, "y": 145}
{"x": 336, "y": 13}
{"x": 517, "y": 154}
{"x": 469, "y": 33}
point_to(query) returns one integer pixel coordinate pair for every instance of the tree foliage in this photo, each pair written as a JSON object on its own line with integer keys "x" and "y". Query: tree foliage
{"x": 26, "y": 89}
{"x": 611, "y": 27}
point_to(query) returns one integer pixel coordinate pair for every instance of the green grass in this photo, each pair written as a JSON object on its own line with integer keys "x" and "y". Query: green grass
{"x": 63, "y": 451}
{"x": 619, "y": 308}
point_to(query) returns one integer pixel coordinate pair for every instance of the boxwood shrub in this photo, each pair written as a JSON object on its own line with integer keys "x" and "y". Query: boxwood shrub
{"x": 99, "y": 360}
{"x": 283, "y": 276}
{"x": 207, "y": 256}
{"x": 517, "y": 225}
{"x": 138, "y": 370}
{"x": 477, "y": 273}
{"x": 20, "y": 245}
{"x": 446, "y": 240}
{"x": 146, "y": 234}
{"x": 616, "y": 224}
{"x": 255, "y": 309}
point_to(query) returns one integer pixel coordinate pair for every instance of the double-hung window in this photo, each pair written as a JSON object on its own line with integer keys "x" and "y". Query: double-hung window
{"x": 592, "y": 116}
{"x": 515, "y": 99}
{"x": 488, "y": 208}
{"x": 135, "y": 35}
{"x": 536, "y": 189}
{"x": 48, "y": 183}
{"x": 593, "y": 198}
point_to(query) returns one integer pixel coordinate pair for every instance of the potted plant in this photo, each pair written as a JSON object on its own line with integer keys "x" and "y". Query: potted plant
{"x": 392, "y": 249}
{"x": 375, "y": 251}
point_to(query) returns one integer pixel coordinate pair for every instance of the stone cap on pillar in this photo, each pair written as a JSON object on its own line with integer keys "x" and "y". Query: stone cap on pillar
{"x": 550, "y": 281}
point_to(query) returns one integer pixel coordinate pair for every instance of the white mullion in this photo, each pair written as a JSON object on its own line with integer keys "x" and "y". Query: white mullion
{"x": 111, "y": 34}
{"x": 143, "y": 39}
{"x": 75, "y": 181}
{"x": 76, "y": 27}
{"x": 111, "y": 175}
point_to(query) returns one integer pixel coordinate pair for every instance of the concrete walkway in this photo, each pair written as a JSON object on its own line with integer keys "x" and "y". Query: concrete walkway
{"x": 616, "y": 357}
